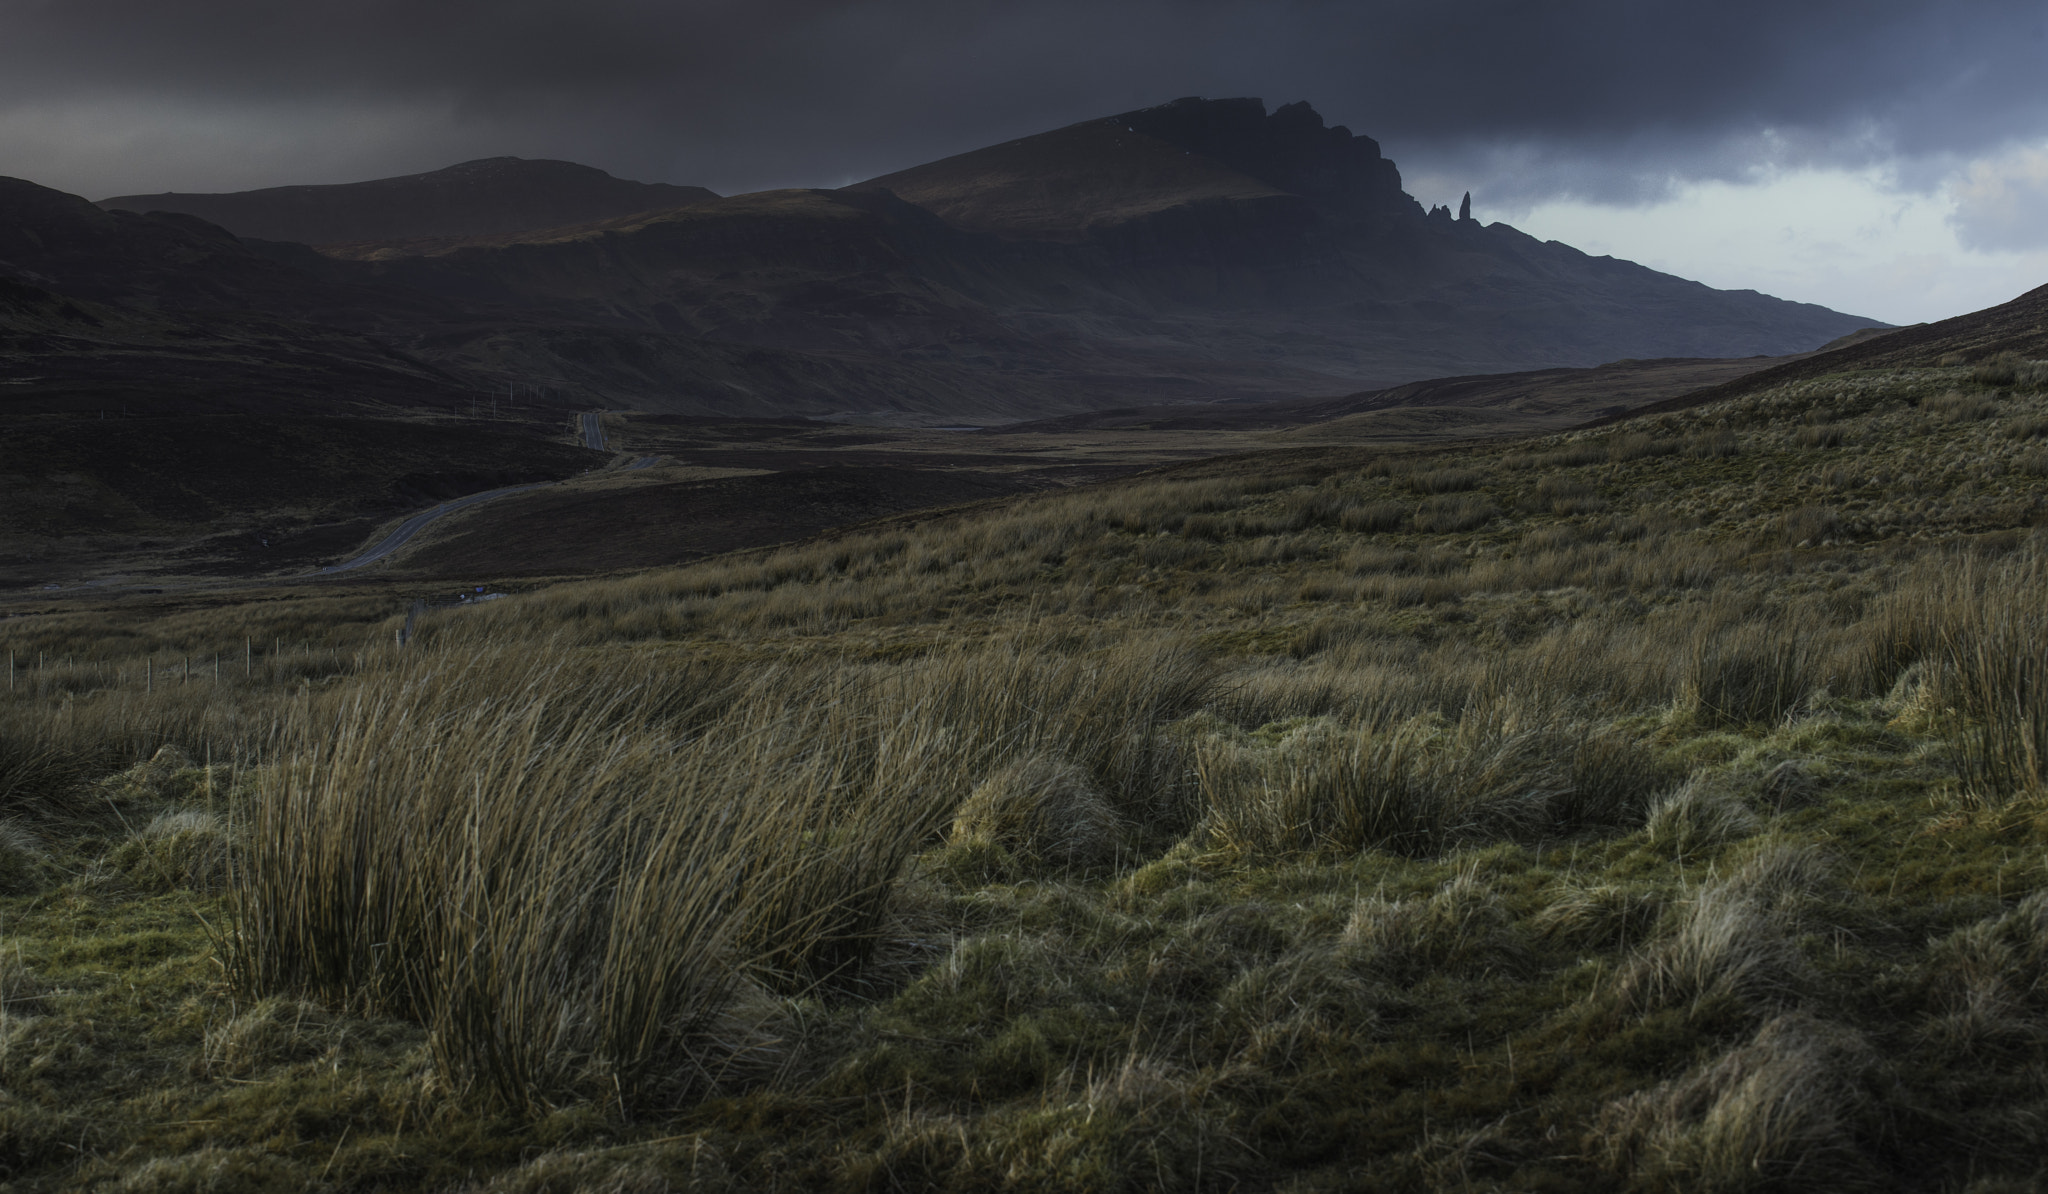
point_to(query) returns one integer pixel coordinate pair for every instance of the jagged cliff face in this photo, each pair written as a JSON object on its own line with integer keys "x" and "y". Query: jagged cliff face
{"x": 1342, "y": 175}
{"x": 1200, "y": 249}
{"x": 491, "y": 196}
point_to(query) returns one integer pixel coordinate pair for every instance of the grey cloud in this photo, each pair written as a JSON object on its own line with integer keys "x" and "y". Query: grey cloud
{"x": 2000, "y": 202}
{"x": 1608, "y": 99}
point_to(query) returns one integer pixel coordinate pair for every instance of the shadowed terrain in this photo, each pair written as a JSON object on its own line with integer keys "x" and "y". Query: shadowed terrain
{"x": 491, "y": 195}
{"x": 1656, "y": 805}
{"x": 1201, "y": 250}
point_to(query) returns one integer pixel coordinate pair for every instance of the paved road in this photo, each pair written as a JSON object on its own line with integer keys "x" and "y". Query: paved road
{"x": 412, "y": 526}
{"x": 593, "y": 430}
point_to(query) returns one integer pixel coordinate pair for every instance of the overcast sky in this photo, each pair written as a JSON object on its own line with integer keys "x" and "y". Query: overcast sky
{"x": 1884, "y": 157}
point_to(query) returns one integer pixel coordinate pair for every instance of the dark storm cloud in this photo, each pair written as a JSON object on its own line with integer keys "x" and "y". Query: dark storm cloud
{"x": 1603, "y": 98}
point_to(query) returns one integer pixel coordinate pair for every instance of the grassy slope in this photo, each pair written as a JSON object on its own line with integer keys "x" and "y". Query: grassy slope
{"x": 1761, "y": 932}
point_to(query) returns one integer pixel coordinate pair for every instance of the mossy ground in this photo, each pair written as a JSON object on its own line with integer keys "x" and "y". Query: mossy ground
{"x": 1798, "y": 953}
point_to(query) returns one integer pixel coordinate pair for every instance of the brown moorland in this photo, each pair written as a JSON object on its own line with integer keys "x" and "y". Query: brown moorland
{"x": 1637, "y": 807}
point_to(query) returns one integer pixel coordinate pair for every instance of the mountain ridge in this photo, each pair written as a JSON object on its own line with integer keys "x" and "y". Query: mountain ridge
{"x": 1201, "y": 249}
{"x": 481, "y": 197}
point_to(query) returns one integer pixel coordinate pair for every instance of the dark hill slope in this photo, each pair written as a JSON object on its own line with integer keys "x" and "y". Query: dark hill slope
{"x": 484, "y": 197}
{"x": 1199, "y": 250}
{"x": 2019, "y": 327}
{"x": 1203, "y": 250}
{"x": 106, "y": 309}
{"x": 1277, "y": 210}
{"x": 164, "y": 312}
{"x": 1061, "y": 184}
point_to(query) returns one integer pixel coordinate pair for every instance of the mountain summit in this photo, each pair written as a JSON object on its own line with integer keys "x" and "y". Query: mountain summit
{"x": 1060, "y": 184}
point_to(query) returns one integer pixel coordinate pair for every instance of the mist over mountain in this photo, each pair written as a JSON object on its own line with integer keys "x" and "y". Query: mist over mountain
{"x": 1198, "y": 250}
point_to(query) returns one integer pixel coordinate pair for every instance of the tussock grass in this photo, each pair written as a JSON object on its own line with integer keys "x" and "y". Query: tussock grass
{"x": 1564, "y": 493}
{"x": 1992, "y": 673}
{"x": 441, "y": 868}
{"x": 1732, "y": 939}
{"x": 1959, "y": 407}
{"x": 1376, "y": 516}
{"x": 2011, "y": 369}
{"x": 1821, "y": 435}
{"x": 1741, "y": 671}
{"x": 1788, "y": 1110}
{"x": 1419, "y": 786}
{"x": 1443, "y": 515}
{"x": 1697, "y": 816}
{"x": 2027, "y": 427}
{"x": 1713, "y": 444}
{"x": 1636, "y": 445}
{"x": 1041, "y": 810}
{"x": 1444, "y": 480}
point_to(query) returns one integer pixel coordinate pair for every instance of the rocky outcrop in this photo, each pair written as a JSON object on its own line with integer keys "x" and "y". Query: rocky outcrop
{"x": 1289, "y": 149}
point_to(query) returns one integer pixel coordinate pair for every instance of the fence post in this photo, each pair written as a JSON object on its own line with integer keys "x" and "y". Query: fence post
{"x": 248, "y": 656}
{"x": 149, "y": 674}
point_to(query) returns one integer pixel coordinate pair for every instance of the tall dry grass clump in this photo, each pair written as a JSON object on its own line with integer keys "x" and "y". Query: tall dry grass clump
{"x": 1417, "y": 785}
{"x": 1789, "y": 1110}
{"x": 565, "y": 878}
{"x": 1744, "y": 668}
{"x": 564, "y": 867}
{"x": 1102, "y": 705}
{"x": 1992, "y": 675}
{"x": 1733, "y": 939}
{"x": 2012, "y": 369}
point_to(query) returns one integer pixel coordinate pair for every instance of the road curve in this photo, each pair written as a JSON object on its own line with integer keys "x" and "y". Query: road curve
{"x": 593, "y": 436}
{"x": 412, "y": 526}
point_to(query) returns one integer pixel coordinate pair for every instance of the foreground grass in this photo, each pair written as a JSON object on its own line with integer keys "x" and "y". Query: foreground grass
{"x": 1655, "y": 807}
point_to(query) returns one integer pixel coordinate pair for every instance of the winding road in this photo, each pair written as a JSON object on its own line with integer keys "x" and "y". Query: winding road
{"x": 593, "y": 437}
{"x": 418, "y": 522}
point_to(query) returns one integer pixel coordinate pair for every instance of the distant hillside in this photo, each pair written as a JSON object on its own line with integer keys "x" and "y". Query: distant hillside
{"x": 480, "y": 198}
{"x": 1203, "y": 250}
{"x": 2019, "y": 327}
{"x": 103, "y": 309}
